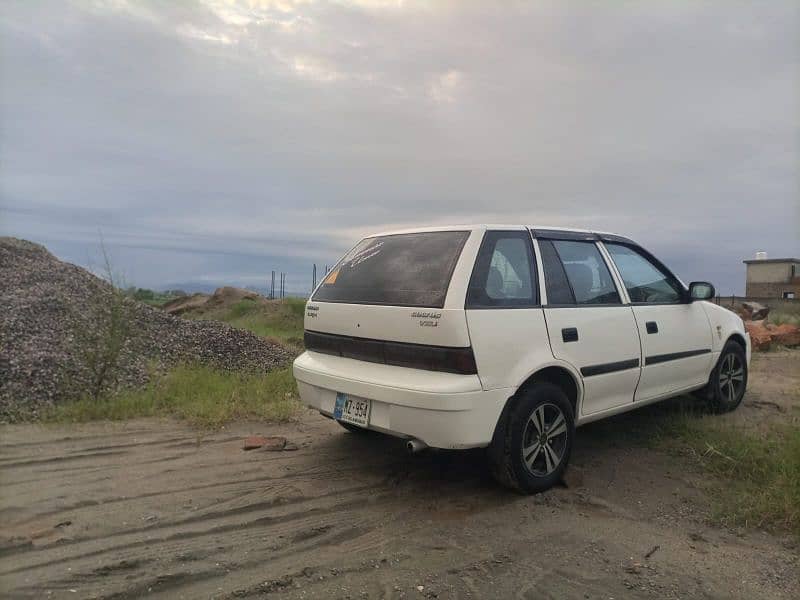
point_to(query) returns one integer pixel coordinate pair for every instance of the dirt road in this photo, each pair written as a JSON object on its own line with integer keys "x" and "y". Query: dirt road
{"x": 154, "y": 508}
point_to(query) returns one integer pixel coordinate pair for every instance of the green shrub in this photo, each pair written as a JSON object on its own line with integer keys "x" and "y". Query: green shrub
{"x": 781, "y": 318}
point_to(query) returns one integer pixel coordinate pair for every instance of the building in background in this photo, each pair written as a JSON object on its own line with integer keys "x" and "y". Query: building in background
{"x": 772, "y": 277}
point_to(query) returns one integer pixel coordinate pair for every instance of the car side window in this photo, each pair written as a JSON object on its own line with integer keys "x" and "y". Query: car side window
{"x": 503, "y": 272}
{"x": 577, "y": 274}
{"x": 558, "y": 288}
{"x": 646, "y": 282}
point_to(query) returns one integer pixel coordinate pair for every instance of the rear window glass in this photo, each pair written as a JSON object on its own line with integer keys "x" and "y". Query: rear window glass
{"x": 411, "y": 269}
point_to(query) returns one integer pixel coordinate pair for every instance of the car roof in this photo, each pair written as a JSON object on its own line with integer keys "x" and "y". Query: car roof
{"x": 502, "y": 226}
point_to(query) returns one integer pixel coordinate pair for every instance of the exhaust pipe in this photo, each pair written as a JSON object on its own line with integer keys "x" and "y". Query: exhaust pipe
{"x": 414, "y": 446}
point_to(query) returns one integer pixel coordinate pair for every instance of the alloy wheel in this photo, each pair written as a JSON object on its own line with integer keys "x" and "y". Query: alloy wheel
{"x": 731, "y": 378}
{"x": 544, "y": 440}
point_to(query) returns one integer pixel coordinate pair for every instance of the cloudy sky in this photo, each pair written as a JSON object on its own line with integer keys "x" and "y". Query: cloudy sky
{"x": 215, "y": 140}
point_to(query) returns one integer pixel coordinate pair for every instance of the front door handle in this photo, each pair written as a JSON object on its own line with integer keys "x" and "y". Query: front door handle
{"x": 652, "y": 327}
{"x": 569, "y": 334}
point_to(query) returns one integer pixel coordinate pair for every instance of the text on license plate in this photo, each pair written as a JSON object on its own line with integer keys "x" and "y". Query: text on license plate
{"x": 351, "y": 410}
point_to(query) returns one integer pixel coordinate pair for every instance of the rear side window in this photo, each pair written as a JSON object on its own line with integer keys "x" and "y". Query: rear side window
{"x": 411, "y": 269}
{"x": 588, "y": 280}
{"x": 558, "y": 289}
{"x": 503, "y": 272}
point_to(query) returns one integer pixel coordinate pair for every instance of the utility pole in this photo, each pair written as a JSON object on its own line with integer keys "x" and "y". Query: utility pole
{"x": 272, "y": 289}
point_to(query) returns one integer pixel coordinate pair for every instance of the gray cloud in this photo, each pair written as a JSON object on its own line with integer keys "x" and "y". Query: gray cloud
{"x": 216, "y": 140}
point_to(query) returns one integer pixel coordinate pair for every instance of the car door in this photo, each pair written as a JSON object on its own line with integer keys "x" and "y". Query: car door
{"x": 675, "y": 333}
{"x": 505, "y": 317}
{"x": 587, "y": 322}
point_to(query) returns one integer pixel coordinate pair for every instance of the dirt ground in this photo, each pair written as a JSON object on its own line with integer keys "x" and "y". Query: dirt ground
{"x": 154, "y": 508}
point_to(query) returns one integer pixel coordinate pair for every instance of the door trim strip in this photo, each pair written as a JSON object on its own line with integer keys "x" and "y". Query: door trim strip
{"x": 661, "y": 358}
{"x": 602, "y": 369}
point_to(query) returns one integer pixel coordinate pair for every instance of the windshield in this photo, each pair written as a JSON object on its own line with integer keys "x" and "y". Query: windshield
{"x": 411, "y": 269}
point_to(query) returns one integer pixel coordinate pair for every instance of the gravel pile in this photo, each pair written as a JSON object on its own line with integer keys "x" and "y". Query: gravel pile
{"x": 48, "y": 308}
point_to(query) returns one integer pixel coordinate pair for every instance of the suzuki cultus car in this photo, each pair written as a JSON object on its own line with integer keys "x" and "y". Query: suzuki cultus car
{"x": 510, "y": 337}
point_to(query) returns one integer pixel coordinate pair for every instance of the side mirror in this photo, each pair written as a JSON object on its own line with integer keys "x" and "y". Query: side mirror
{"x": 701, "y": 290}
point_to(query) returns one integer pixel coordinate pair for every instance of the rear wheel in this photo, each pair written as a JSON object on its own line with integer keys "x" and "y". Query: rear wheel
{"x": 729, "y": 378}
{"x": 532, "y": 452}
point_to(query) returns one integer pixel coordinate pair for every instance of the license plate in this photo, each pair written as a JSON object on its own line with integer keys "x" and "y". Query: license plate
{"x": 351, "y": 410}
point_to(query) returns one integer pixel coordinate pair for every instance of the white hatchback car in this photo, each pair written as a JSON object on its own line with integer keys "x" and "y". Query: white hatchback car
{"x": 508, "y": 337}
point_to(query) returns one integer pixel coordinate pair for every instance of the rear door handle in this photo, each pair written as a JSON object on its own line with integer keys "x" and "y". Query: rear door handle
{"x": 569, "y": 334}
{"x": 652, "y": 327}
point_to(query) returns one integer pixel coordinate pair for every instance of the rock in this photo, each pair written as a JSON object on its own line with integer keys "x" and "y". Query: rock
{"x": 763, "y": 335}
{"x": 634, "y": 568}
{"x": 271, "y": 444}
{"x": 786, "y": 335}
{"x": 253, "y": 442}
{"x": 755, "y": 310}
{"x": 274, "y": 444}
{"x": 760, "y": 336}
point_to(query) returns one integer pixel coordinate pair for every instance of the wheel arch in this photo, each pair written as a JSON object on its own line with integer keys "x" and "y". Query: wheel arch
{"x": 558, "y": 374}
{"x": 734, "y": 337}
{"x": 738, "y": 338}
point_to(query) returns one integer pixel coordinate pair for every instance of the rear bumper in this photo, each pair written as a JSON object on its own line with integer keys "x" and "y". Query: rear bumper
{"x": 444, "y": 410}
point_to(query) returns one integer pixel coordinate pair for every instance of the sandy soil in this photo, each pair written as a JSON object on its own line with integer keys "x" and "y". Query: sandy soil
{"x": 154, "y": 508}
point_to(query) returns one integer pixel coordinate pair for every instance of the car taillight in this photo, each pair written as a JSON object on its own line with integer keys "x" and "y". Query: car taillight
{"x": 402, "y": 354}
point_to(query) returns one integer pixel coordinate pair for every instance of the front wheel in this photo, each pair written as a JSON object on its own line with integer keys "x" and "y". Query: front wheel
{"x": 532, "y": 452}
{"x": 729, "y": 378}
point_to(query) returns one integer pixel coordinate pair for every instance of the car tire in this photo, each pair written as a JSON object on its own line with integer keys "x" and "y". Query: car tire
{"x": 728, "y": 381}
{"x": 531, "y": 450}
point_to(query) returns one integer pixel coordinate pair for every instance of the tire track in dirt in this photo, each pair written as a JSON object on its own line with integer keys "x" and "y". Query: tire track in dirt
{"x": 171, "y": 531}
{"x": 300, "y": 531}
{"x": 296, "y": 528}
{"x": 247, "y": 485}
{"x": 58, "y": 459}
{"x": 348, "y": 515}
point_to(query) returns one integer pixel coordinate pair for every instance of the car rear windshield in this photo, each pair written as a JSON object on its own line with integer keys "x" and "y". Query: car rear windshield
{"x": 410, "y": 269}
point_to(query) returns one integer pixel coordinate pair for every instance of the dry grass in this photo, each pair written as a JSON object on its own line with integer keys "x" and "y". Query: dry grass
{"x": 757, "y": 472}
{"x": 754, "y": 473}
{"x": 200, "y": 395}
